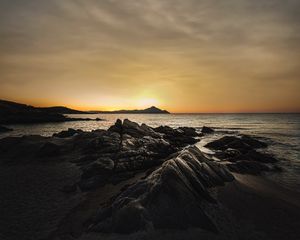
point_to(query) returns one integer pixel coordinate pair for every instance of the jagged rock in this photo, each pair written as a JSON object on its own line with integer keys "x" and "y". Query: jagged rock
{"x": 97, "y": 142}
{"x": 241, "y": 152}
{"x": 244, "y": 143}
{"x": 133, "y": 129}
{"x": 117, "y": 127}
{"x": 5, "y": 129}
{"x": 68, "y": 133}
{"x": 207, "y": 130}
{"x": 170, "y": 197}
{"x": 254, "y": 143}
{"x": 189, "y": 131}
{"x": 177, "y": 137}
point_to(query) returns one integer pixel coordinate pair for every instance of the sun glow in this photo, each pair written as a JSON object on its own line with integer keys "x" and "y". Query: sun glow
{"x": 147, "y": 102}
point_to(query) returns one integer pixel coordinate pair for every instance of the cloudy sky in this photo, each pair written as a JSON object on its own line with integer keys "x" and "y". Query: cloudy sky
{"x": 185, "y": 56}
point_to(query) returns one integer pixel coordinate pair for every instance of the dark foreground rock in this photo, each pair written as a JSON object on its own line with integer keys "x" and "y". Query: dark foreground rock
{"x": 242, "y": 154}
{"x": 170, "y": 197}
{"x": 207, "y": 130}
{"x": 5, "y": 129}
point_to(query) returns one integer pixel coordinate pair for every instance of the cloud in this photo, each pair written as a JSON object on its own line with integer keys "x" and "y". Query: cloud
{"x": 117, "y": 48}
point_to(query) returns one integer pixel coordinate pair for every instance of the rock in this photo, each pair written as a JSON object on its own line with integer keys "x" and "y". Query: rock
{"x": 117, "y": 127}
{"x": 189, "y": 131}
{"x": 97, "y": 142}
{"x": 133, "y": 129}
{"x": 257, "y": 156}
{"x": 68, "y": 133}
{"x": 157, "y": 201}
{"x": 241, "y": 151}
{"x": 5, "y": 129}
{"x": 243, "y": 144}
{"x": 48, "y": 149}
{"x": 93, "y": 182}
{"x": 102, "y": 166}
{"x": 207, "y": 130}
{"x": 254, "y": 143}
{"x": 69, "y": 188}
{"x": 177, "y": 137}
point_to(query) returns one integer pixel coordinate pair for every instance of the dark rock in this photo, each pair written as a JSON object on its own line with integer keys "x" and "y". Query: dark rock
{"x": 189, "y": 131}
{"x": 93, "y": 182}
{"x": 117, "y": 127}
{"x": 133, "y": 129}
{"x": 177, "y": 137}
{"x": 207, "y": 130}
{"x": 158, "y": 199}
{"x": 70, "y": 188}
{"x": 68, "y": 133}
{"x": 241, "y": 152}
{"x": 103, "y": 166}
{"x": 48, "y": 149}
{"x": 244, "y": 143}
{"x": 257, "y": 156}
{"x": 5, "y": 129}
{"x": 254, "y": 143}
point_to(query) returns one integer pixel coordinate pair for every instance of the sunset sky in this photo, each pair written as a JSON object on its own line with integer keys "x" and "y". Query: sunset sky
{"x": 181, "y": 55}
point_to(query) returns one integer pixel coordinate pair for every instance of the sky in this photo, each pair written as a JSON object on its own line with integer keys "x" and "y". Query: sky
{"x": 183, "y": 56}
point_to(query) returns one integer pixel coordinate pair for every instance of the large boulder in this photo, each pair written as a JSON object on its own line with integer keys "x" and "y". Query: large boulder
{"x": 207, "y": 130}
{"x": 177, "y": 137}
{"x": 68, "y": 133}
{"x": 241, "y": 152}
{"x": 173, "y": 196}
{"x": 243, "y": 143}
{"x": 133, "y": 129}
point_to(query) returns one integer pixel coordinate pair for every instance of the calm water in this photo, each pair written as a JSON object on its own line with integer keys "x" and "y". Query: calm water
{"x": 282, "y": 131}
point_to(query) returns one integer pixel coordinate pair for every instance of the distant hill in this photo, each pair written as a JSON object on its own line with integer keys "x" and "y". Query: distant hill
{"x": 12, "y": 113}
{"x": 151, "y": 110}
{"x": 61, "y": 110}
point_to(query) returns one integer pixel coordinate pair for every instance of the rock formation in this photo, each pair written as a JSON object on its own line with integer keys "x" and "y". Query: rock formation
{"x": 242, "y": 155}
{"x": 170, "y": 197}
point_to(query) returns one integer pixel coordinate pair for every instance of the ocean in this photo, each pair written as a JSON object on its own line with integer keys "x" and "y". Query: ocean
{"x": 280, "y": 131}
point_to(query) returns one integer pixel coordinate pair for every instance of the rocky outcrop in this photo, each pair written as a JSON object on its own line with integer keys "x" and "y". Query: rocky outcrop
{"x": 103, "y": 156}
{"x": 178, "y": 137}
{"x": 68, "y": 133}
{"x": 130, "y": 147}
{"x": 207, "y": 130}
{"x": 173, "y": 196}
{"x": 242, "y": 154}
